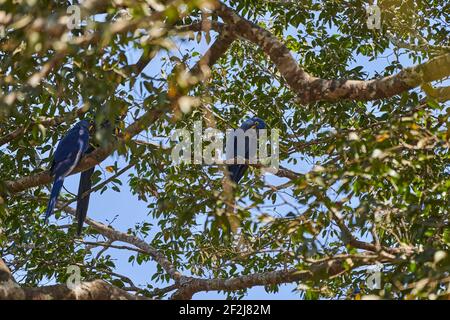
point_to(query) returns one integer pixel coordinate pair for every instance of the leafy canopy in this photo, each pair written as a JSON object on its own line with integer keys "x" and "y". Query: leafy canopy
{"x": 370, "y": 171}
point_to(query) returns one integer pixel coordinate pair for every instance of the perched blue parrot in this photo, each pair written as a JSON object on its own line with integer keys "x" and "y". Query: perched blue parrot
{"x": 67, "y": 156}
{"x": 237, "y": 171}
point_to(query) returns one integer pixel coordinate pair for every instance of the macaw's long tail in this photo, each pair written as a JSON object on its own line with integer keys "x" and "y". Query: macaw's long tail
{"x": 56, "y": 189}
{"x": 83, "y": 202}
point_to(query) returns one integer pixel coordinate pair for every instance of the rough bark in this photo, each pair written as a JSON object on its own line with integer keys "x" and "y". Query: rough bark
{"x": 93, "y": 290}
{"x": 317, "y": 271}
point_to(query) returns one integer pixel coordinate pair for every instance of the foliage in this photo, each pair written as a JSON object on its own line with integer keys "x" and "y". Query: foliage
{"x": 381, "y": 166}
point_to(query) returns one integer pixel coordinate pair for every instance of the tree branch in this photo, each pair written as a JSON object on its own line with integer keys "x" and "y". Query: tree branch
{"x": 317, "y": 271}
{"x": 310, "y": 89}
{"x": 94, "y": 290}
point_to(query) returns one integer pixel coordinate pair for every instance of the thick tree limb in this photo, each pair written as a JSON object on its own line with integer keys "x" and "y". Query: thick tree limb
{"x": 93, "y": 290}
{"x": 310, "y": 89}
{"x": 321, "y": 270}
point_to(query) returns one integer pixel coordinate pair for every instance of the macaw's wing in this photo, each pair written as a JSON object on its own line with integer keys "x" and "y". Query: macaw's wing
{"x": 83, "y": 202}
{"x": 69, "y": 151}
{"x": 67, "y": 145}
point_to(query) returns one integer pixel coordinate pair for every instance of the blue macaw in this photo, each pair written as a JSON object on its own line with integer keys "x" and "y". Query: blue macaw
{"x": 237, "y": 171}
{"x": 67, "y": 156}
